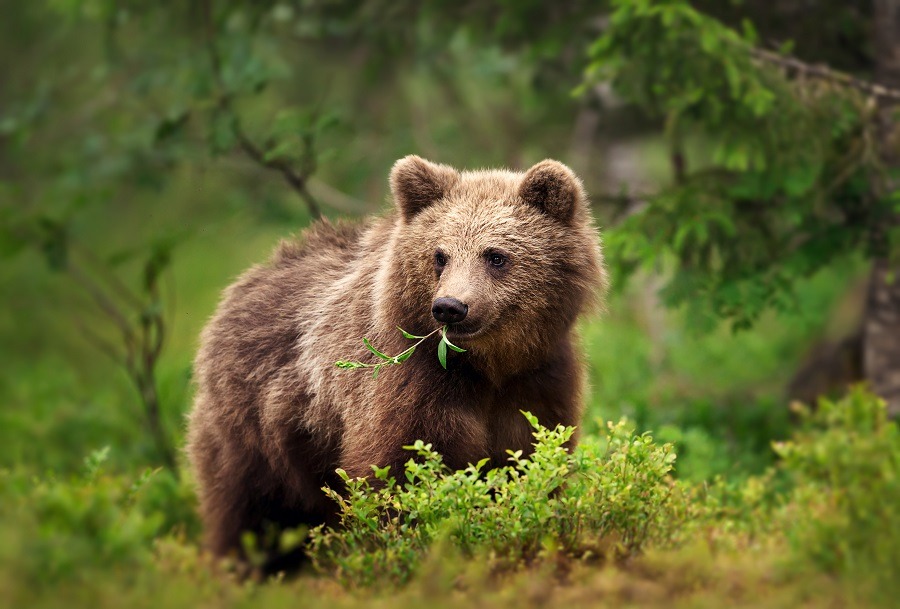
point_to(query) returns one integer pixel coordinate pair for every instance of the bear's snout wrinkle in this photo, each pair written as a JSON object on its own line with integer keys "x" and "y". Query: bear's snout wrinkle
{"x": 449, "y": 310}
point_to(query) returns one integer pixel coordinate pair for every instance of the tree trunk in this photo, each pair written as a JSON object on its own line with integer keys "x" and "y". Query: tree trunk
{"x": 881, "y": 327}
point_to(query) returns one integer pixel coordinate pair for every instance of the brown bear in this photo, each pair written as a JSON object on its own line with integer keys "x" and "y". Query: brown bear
{"x": 507, "y": 260}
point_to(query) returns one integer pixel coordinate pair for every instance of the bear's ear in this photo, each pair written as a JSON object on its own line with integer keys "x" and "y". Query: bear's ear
{"x": 417, "y": 183}
{"x": 553, "y": 188}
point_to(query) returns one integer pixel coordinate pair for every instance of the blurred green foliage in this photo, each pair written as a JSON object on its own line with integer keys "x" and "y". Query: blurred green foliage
{"x": 845, "y": 462}
{"x": 88, "y": 525}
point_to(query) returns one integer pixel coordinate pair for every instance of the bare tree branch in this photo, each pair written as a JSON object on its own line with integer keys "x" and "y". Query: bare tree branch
{"x": 156, "y": 323}
{"x": 797, "y": 66}
{"x": 103, "y": 345}
{"x": 142, "y": 339}
{"x": 292, "y": 177}
{"x": 105, "y": 303}
{"x": 337, "y": 199}
{"x": 114, "y": 283}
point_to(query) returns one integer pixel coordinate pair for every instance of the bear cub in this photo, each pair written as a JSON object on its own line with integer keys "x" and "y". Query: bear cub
{"x": 507, "y": 260}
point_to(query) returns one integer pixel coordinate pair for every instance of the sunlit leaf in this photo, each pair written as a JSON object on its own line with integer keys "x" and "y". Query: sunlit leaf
{"x": 374, "y": 350}
{"x": 448, "y": 343}
{"x": 442, "y": 352}
{"x": 407, "y": 334}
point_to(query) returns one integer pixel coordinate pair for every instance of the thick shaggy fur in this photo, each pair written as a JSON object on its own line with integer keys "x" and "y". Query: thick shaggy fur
{"x": 274, "y": 417}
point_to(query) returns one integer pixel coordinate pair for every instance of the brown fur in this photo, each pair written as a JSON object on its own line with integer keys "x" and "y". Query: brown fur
{"x": 274, "y": 417}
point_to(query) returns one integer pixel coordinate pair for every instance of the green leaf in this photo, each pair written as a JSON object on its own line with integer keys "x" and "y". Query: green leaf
{"x": 533, "y": 420}
{"x": 442, "y": 352}
{"x": 54, "y": 243}
{"x": 347, "y": 365}
{"x": 281, "y": 151}
{"x": 375, "y": 351}
{"x": 171, "y": 126}
{"x": 221, "y": 137}
{"x": 405, "y": 355}
{"x": 407, "y": 334}
{"x": 447, "y": 341}
{"x": 681, "y": 236}
{"x": 381, "y": 473}
{"x": 326, "y": 121}
{"x": 750, "y": 33}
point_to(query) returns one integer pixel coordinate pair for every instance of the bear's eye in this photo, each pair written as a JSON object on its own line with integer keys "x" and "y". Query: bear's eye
{"x": 440, "y": 260}
{"x": 496, "y": 260}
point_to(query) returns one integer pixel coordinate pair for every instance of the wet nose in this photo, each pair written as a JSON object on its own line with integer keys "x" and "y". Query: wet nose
{"x": 449, "y": 310}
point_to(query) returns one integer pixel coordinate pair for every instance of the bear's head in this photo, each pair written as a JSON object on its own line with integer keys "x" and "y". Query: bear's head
{"x": 508, "y": 260}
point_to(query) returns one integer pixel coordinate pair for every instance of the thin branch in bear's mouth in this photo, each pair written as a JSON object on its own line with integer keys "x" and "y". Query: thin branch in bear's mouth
{"x": 394, "y": 360}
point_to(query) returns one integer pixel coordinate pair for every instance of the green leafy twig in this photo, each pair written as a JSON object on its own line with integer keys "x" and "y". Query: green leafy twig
{"x": 393, "y": 360}
{"x": 297, "y": 179}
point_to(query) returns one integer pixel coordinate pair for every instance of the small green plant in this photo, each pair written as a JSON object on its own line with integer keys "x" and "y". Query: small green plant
{"x": 609, "y": 495}
{"x": 394, "y": 360}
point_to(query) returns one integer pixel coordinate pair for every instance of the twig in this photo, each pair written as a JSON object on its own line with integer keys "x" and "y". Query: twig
{"x": 387, "y": 359}
{"x": 335, "y": 198}
{"x": 824, "y": 72}
{"x": 104, "y": 302}
{"x": 142, "y": 342}
{"x": 392, "y": 360}
{"x": 296, "y": 180}
{"x": 156, "y": 326}
{"x": 109, "y": 277}
{"x": 104, "y": 346}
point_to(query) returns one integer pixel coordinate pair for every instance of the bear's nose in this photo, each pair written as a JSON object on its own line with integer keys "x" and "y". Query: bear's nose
{"x": 449, "y": 310}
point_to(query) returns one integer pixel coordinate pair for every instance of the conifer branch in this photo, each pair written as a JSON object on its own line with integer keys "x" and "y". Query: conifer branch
{"x": 824, "y": 72}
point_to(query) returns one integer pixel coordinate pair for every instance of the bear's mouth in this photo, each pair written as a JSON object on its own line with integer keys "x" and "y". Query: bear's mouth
{"x": 463, "y": 330}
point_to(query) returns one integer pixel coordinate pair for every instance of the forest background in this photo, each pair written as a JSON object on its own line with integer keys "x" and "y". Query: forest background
{"x": 742, "y": 162}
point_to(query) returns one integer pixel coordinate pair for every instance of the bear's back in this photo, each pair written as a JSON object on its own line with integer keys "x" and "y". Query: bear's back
{"x": 324, "y": 238}
{"x": 253, "y": 335}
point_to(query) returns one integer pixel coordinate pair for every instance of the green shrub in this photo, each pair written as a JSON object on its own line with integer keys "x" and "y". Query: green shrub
{"x": 68, "y": 529}
{"x": 612, "y": 493}
{"x": 845, "y": 511}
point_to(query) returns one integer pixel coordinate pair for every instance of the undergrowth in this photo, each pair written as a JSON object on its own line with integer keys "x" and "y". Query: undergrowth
{"x": 611, "y": 494}
{"x": 843, "y": 515}
{"x": 92, "y": 524}
{"x": 605, "y": 524}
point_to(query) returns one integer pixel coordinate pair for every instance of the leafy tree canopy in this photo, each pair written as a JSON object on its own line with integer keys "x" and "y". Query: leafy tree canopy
{"x": 787, "y": 185}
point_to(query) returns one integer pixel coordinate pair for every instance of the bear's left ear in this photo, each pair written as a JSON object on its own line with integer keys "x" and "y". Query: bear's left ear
{"x": 417, "y": 183}
{"x": 553, "y": 188}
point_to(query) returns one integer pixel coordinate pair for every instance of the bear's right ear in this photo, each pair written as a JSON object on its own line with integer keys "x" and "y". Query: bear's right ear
{"x": 417, "y": 183}
{"x": 553, "y": 188}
